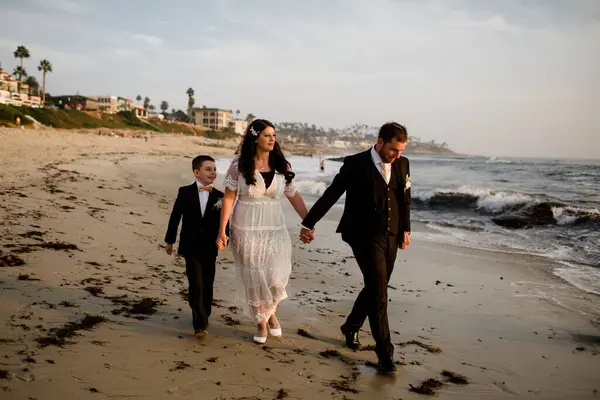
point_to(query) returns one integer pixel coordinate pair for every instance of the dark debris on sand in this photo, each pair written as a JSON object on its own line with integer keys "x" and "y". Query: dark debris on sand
{"x": 33, "y": 234}
{"x": 145, "y": 306}
{"x": 94, "y": 290}
{"x": 59, "y": 336}
{"x": 305, "y": 334}
{"x": 180, "y": 366}
{"x": 282, "y": 394}
{"x": 344, "y": 384}
{"x": 427, "y": 347}
{"x": 26, "y": 277}
{"x": 427, "y": 387}
{"x": 67, "y": 304}
{"x": 336, "y": 354}
{"x": 455, "y": 378}
{"x": 11, "y": 261}
{"x": 58, "y": 246}
{"x": 4, "y": 374}
{"x": 230, "y": 321}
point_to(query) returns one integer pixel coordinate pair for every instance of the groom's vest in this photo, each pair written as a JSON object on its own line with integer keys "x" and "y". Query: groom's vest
{"x": 387, "y": 204}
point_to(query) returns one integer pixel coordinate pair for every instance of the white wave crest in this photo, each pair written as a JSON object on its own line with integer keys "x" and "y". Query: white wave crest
{"x": 486, "y": 199}
{"x": 310, "y": 186}
{"x": 568, "y": 215}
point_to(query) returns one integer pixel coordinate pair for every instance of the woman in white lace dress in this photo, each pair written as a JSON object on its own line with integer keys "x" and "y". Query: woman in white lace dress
{"x": 260, "y": 241}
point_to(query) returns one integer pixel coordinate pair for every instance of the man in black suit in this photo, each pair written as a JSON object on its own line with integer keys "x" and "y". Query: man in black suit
{"x": 199, "y": 205}
{"x": 375, "y": 222}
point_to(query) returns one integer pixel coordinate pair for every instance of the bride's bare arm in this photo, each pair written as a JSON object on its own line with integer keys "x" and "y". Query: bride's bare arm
{"x": 298, "y": 203}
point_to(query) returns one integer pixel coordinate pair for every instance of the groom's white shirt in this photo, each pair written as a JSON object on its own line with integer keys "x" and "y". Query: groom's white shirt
{"x": 203, "y": 197}
{"x": 377, "y": 161}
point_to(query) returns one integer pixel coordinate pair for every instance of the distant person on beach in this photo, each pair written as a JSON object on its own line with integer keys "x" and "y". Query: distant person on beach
{"x": 375, "y": 223}
{"x": 199, "y": 205}
{"x": 322, "y": 165}
{"x": 260, "y": 241}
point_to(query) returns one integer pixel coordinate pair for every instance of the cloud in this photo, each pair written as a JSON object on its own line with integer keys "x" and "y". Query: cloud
{"x": 476, "y": 75}
{"x": 64, "y": 6}
{"x": 148, "y": 39}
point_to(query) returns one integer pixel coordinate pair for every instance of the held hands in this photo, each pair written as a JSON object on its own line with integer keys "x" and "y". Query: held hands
{"x": 406, "y": 241}
{"x": 307, "y": 236}
{"x": 169, "y": 248}
{"x": 222, "y": 241}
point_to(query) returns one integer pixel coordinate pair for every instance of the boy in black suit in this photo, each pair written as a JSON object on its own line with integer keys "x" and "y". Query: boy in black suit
{"x": 199, "y": 204}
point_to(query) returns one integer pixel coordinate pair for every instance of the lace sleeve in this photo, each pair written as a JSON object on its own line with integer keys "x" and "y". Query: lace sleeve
{"x": 231, "y": 179}
{"x": 290, "y": 189}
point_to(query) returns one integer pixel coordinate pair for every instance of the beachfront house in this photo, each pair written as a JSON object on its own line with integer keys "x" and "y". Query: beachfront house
{"x": 108, "y": 104}
{"x": 16, "y": 93}
{"x": 140, "y": 112}
{"x": 124, "y": 104}
{"x": 215, "y": 119}
{"x": 238, "y": 126}
{"x": 76, "y": 102}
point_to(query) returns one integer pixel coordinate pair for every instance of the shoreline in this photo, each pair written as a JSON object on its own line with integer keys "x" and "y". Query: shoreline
{"x": 491, "y": 315}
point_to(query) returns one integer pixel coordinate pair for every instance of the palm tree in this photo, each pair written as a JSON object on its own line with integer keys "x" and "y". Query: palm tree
{"x": 45, "y": 66}
{"x": 21, "y": 52}
{"x": 146, "y": 102}
{"x": 151, "y": 107}
{"x": 250, "y": 117}
{"x": 138, "y": 98}
{"x": 34, "y": 86}
{"x": 191, "y": 100}
{"x": 237, "y": 114}
{"x": 21, "y": 72}
{"x": 164, "y": 106}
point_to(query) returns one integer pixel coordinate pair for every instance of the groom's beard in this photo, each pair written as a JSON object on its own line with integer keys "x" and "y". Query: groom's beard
{"x": 384, "y": 158}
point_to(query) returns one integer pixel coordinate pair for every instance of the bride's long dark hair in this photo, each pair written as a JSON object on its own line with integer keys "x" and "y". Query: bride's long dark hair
{"x": 277, "y": 161}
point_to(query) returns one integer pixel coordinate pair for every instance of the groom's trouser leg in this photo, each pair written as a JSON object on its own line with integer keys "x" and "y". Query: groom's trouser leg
{"x": 376, "y": 262}
{"x": 200, "y": 271}
{"x": 357, "y": 317}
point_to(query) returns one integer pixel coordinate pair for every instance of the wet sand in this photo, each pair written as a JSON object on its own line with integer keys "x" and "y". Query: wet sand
{"x": 93, "y": 307}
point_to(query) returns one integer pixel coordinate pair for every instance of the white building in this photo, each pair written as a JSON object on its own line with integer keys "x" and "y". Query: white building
{"x": 238, "y": 126}
{"x": 107, "y": 104}
{"x": 213, "y": 118}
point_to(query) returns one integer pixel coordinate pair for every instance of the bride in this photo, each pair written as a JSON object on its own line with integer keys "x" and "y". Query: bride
{"x": 261, "y": 244}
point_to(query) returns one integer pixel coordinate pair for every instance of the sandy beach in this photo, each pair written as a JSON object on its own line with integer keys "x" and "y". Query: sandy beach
{"x": 92, "y": 307}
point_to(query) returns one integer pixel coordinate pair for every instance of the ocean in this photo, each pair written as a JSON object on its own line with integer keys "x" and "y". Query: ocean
{"x": 457, "y": 199}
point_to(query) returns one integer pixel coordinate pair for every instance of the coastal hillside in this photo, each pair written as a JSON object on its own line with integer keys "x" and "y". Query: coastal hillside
{"x": 75, "y": 119}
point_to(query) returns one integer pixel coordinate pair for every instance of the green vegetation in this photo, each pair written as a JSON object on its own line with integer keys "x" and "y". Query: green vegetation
{"x": 74, "y": 119}
{"x": 70, "y": 119}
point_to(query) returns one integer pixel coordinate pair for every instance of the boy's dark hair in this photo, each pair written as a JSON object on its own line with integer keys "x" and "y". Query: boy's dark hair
{"x": 197, "y": 162}
{"x": 393, "y": 130}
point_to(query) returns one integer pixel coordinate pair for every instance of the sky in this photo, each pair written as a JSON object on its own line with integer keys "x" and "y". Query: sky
{"x": 498, "y": 78}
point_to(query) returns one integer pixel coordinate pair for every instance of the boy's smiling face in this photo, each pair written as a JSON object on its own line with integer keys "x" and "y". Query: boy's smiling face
{"x": 207, "y": 173}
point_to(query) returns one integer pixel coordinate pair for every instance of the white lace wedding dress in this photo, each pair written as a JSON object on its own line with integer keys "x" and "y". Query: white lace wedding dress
{"x": 260, "y": 240}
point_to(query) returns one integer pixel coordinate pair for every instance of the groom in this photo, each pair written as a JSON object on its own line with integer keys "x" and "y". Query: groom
{"x": 375, "y": 222}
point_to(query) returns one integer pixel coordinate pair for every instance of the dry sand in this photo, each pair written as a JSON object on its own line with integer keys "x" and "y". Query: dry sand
{"x": 87, "y": 214}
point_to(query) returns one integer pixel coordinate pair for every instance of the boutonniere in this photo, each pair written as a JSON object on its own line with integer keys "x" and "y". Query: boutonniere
{"x": 407, "y": 183}
{"x": 218, "y": 204}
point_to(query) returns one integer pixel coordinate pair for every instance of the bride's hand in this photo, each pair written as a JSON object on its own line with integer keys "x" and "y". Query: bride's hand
{"x": 222, "y": 241}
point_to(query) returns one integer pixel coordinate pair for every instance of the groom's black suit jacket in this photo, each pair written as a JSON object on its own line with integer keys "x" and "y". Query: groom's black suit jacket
{"x": 371, "y": 206}
{"x": 198, "y": 232}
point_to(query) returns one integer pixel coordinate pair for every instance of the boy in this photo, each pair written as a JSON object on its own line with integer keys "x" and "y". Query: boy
{"x": 199, "y": 204}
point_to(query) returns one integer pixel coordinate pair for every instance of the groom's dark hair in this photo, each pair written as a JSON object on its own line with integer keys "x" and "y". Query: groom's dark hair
{"x": 393, "y": 130}
{"x": 198, "y": 161}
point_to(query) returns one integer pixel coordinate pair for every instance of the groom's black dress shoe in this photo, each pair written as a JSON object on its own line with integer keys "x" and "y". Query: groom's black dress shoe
{"x": 387, "y": 368}
{"x": 352, "y": 341}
